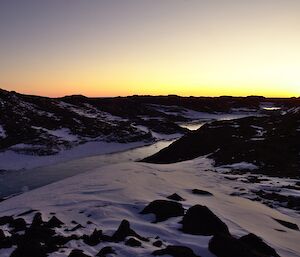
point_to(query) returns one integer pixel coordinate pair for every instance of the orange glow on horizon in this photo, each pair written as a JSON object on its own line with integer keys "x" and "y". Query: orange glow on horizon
{"x": 120, "y": 48}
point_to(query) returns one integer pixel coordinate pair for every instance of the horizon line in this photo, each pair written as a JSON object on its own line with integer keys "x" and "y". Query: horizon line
{"x": 159, "y": 95}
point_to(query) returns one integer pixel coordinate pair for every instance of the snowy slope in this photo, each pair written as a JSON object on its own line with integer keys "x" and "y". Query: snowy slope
{"x": 112, "y": 193}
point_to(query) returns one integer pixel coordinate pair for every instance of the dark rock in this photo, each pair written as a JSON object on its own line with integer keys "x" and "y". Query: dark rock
{"x": 258, "y": 246}
{"x": 290, "y": 201}
{"x": 201, "y": 192}
{"x": 199, "y": 220}
{"x": 247, "y": 246}
{"x": 29, "y": 248}
{"x": 157, "y": 243}
{"x": 6, "y": 220}
{"x": 78, "y": 253}
{"x": 40, "y": 233}
{"x": 276, "y": 153}
{"x": 2, "y": 235}
{"x": 227, "y": 246}
{"x": 57, "y": 241}
{"x": 124, "y": 231}
{"x": 5, "y": 242}
{"x": 164, "y": 209}
{"x": 175, "y": 197}
{"x": 288, "y": 224}
{"x": 54, "y": 223}
{"x": 18, "y": 224}
{"x": 133, "y": 242}
{"x": 176, "y": 251}
{"x": 94, "y": 238}
{"x": 37, "y": 220}
{"x": 105, "y": 251}
{"x": 78, "y": 226}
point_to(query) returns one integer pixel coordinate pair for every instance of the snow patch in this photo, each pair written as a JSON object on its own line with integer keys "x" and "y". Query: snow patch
{"x": 240, "y": 166}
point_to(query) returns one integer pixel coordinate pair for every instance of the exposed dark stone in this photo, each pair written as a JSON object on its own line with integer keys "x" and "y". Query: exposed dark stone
{"x": 124, "y": 231}
{"x": 176, "y": 251}
{"x": 5, "y": 242}
{"x": 78, "y": 253}
{"x": 105, "y": 251}
{"x": 290, "y": 201}
{"x": 18, "y": 224}
{"x": 37, "y": 220}
{"x": 94, "y": 238}
{"x": 6, "y": 220}
{"x": 78, "y": 226}
{"x": 133, "y": 242}
{"x": 247, "y": 246}
{"x": 201, "y": 192}
{"x": 157, "y": 243}
{"x": 258, "y": 246}
{"x": 227, "y": 246}
{"x": 29, "y": 248}
{"x": 57, "y": 241}
{"x": 164, "y": 209}
{"x": 54, "y": 223}
{"x": 175, "y": 197}
{"x": 199, "y": 220}
{"x": 287, "y": 224}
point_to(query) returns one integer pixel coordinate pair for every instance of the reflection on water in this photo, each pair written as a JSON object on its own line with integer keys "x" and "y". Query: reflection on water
{"x": 15, "y": 182}
{"x": 194, "y": 125}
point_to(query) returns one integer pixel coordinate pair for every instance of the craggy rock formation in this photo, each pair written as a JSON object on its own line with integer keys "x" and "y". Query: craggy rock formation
{"x": 269, "y": 142}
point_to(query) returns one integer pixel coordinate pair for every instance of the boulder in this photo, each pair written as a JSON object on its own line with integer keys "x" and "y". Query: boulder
{"x": 201, "y": 192}
{"x": 223, "y": 245}
{"x": 247, "y": 246}
{"x": 176, "y": 251}
{"x": 54, "y": 223}
{"x": 18, "y": 224}
{"x": 105, "y": 251}
{"x": 78, "y": 253}
{"x": 199, "y": 220}
{"x": 163, "y": 209}
{"x": 258, "y": 246}
{"x": 124, "y": 231}
{"x": 93, "y": 239}
{"x": 133, "y": 242}
{"x": 175, "y": 197}
{"x": 28, "y": 248}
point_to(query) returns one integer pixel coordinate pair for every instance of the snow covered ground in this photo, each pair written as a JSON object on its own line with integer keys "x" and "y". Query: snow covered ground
{"x": 109, "y": 194}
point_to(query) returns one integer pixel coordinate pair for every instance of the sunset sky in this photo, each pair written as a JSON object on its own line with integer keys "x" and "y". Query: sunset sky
{"x": 125, "y": 47}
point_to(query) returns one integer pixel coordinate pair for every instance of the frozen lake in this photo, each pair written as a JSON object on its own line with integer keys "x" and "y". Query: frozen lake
{"x": 14, "y": 182}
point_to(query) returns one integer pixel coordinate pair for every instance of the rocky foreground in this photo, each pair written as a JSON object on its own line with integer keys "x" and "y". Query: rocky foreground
{"x": 138, "y": 209}
{"x": 40, "y": 237}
